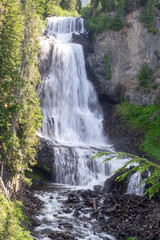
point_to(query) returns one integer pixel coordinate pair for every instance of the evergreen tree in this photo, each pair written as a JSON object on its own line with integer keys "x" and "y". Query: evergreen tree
{"x": 79, "y": 6}
{"x": 40, "y": 7}
{"x": 69, "y": 5}
{"x": 19, "y": 108}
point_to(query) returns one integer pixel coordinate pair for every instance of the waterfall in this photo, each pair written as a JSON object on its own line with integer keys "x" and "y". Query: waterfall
{"x": 63, "y": 25}
{"x": 73, "y": 122}
{"x": 135, "y": 180}
{"x": 73, "y": 118}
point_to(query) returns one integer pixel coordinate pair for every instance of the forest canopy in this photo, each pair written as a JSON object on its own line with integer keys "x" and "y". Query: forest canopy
{"x": 110, "y": 14}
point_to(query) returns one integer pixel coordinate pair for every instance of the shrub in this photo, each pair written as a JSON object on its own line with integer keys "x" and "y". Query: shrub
{"x": 116, "y": 23}
{"x": 107, "y": 66}
{"x": 153, "y": 30}
{"x": 146, "y": 120}
{"x": 155, "y": 86}
{"x": 10, "y": 221}
{"x": 59, "y": 12}
{"x": 144, "y": 75}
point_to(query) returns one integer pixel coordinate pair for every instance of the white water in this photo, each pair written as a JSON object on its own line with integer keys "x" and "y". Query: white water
{"x": 69, "y": 103}
{"x": 54, "y": 218}
{"x": 73, "y": 118}
{"x": 132, "y": 186}
{"x": 72, "y": 114}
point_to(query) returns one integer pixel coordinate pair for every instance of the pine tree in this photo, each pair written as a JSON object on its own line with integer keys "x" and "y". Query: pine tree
{"x": 19, "y": 107}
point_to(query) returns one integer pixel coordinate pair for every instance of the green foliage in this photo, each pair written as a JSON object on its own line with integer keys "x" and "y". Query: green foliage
{"x": 69, "y": 5}
{"x": 144, "y": 75}
{"x": 146, "y": 120}
{"x": 98, "y": 8}
{"x": 97, "y": 23}
{"x": 155, "y": 86}
{"x": 98, "y": 19}
{"x": 138, "y": 165}
{"x": 45, "y": 8}
{"x": 107, "y": 66}
{"x": 148, "y": 14}
{"x": 36, "y": 175}
{"x": 59, "y": 12}
{"x": 10, "y": 221}
{"x": 20, "y": 115}
{"x": 132, "y": 238}
{"x": 40, "y": 7}
{"x": 116, "y": 23}
{"x": 153, "y": 30}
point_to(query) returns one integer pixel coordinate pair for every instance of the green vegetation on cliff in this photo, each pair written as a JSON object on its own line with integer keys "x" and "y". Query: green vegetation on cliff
{"x": 107, "y": 66}
{"x": 11, "y": 218}
{"x": 144, "y": 75}
{"x": 145, "y": 119}
{"x": 102, "y": 14}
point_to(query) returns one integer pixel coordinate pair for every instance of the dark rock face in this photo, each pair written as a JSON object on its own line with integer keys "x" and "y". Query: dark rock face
{"x": 111, "y": 185}
{"x": 45, "y": 156}
{"x": 85, "y": 40}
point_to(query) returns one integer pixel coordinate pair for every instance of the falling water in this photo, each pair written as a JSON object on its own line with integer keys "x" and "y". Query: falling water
{"x": 72, "y": 114}
{"x": 135, "y": 180}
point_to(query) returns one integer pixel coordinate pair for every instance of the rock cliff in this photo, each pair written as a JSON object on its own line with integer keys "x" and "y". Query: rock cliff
{"x": 128, "y": 50}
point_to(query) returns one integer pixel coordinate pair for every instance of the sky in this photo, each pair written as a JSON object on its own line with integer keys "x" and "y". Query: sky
{"x": 84, "y": 2}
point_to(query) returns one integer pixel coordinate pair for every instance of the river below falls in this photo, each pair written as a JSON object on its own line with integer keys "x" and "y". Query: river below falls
{"x": 63, "y": 219}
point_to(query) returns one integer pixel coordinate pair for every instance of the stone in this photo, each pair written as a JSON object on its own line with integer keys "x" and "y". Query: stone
{"x": 98, "y": 188}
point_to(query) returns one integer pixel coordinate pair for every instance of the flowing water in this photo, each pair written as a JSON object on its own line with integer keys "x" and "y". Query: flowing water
{"x": 73, "y": 121}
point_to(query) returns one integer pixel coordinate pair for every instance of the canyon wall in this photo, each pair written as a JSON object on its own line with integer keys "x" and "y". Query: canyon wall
{"x": 128, "y": 50}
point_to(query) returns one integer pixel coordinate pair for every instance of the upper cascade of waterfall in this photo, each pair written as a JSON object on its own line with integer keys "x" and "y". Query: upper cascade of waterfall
{"x": 65, "y": 25}
{"x": 68, "y": 100}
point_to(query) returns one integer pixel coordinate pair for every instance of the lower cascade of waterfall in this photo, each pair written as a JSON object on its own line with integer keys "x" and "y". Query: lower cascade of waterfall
{"x": 73, "y": 121}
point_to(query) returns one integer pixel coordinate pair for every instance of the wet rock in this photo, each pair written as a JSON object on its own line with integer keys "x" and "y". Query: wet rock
{"x": 61, "y": 236}
{"x": 76, "y": 213}
{"x": 111, "y": 185}
{"x": 98, "y": 188}
{"x": 85, "y": 40}
{"x": 45, "y": 157}
{"x": 67, "y": 210}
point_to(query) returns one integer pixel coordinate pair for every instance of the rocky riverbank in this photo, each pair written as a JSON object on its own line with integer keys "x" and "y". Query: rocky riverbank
{"x": 121, "y": 216}
{"x": 31, "y": 205}
{"x": 104, "y": 215}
